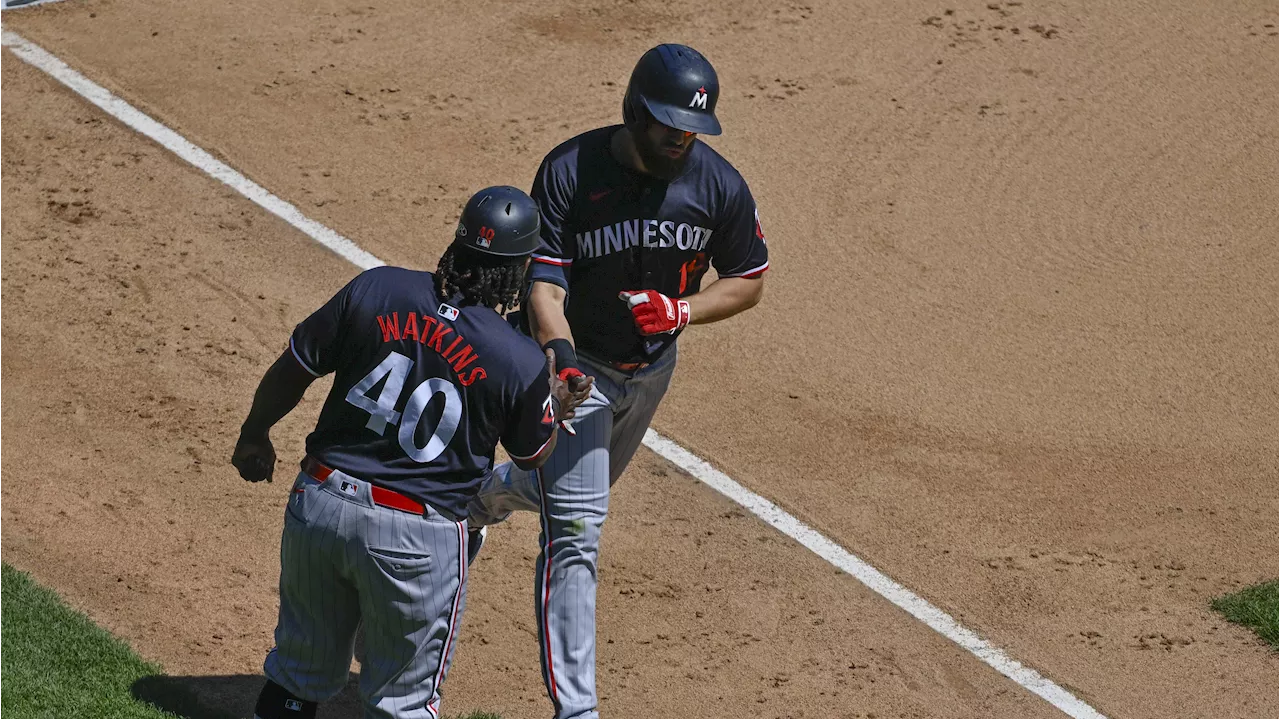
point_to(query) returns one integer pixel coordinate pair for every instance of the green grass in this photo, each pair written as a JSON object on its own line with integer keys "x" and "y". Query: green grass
{"x": 1256, "y": 607}
{"x": 57, "y": 663}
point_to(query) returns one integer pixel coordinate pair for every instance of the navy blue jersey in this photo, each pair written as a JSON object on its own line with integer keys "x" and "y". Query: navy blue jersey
{"x": 607, "y": 228}
{"x": 424, "y": 390}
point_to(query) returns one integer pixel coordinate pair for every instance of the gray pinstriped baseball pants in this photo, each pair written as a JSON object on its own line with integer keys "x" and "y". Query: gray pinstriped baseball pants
{"x": 571, "y": 492}
{"x": 344, "y": 562}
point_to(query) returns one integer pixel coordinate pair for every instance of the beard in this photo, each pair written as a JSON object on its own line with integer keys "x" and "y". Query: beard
{"x": 656, "y": 161}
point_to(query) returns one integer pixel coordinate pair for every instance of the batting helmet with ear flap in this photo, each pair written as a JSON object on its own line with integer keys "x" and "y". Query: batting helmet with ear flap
{"x": 676, "y": 86}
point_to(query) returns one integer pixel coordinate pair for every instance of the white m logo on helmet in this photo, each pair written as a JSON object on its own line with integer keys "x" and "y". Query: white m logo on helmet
{"x": 699, "y": 99}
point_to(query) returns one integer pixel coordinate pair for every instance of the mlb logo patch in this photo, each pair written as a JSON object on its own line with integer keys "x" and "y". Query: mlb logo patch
{"x": 484, "y": 242}
{"x": 349, "y": 488}
{"x": 449, "y": 312}
{"x": 293, "y": 705}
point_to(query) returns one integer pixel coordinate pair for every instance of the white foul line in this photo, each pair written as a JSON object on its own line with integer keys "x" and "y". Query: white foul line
{"x": 19, "y": 4}
{"x": 784, "y": 522}
{"x": 134, "y": 118}
{"x": 876, "y": 581}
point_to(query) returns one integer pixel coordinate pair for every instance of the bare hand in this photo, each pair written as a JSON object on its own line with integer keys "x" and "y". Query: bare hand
{"x": 569, "y": 386}
{"x": 254, "y": 458}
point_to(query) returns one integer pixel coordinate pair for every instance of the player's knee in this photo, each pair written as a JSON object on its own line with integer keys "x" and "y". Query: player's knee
{"x": 276, "y": 703}
{"x": 575, "y": 542}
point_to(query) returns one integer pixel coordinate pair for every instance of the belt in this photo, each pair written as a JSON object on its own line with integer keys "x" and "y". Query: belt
{"x": 621, "y": 366}
{"x": 381, "y": 496}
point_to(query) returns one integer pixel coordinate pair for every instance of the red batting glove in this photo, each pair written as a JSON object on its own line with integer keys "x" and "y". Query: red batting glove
{"x": 654, "y": 312}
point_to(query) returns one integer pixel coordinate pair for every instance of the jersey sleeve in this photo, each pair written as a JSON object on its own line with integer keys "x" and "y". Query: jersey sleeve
{"x": 315, "y": 341}
{"x": 739, "y": 248}
{"x": 530, "y": 419}
{"x": 553, "y": 191}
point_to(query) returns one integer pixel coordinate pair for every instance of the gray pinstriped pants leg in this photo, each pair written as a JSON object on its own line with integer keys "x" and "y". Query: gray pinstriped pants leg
{"x": 345, "y": 561}
{"x": 571, "y": 492}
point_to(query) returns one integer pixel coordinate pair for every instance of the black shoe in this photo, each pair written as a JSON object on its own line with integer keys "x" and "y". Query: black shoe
{"x": 475, "y": 540}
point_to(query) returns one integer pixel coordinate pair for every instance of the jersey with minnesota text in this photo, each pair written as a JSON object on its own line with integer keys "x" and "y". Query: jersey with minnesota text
{"x": 607, "y": 228}
{"x": 423, "y": 390}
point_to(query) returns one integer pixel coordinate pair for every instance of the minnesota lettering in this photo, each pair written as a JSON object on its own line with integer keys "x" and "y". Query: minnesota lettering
{"x": 635, "y": 233}
{"x": 438, "y": 336}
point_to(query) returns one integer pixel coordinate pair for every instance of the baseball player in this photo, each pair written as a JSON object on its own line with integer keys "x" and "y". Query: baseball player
{"x": 428, "y": 379}
{"x": 633, "y": 216}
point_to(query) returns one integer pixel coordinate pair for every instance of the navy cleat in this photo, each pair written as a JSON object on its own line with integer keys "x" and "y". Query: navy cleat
{"x": 475, "y": 540}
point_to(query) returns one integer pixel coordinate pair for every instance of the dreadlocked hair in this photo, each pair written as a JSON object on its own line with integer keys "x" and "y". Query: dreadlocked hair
{"x": 480, "y": 278}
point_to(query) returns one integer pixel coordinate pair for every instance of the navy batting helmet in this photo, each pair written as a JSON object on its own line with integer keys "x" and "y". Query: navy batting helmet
{"x": 501, "y": 221}
{"x": 675, "y": 85}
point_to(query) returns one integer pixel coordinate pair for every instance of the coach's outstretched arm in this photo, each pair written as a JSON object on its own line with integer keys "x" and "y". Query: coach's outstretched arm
{"x": 280, "y": 390}
{"x": 569, "y": 388}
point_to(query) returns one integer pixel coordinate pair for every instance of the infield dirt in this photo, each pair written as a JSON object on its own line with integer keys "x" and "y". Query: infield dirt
{"x": 1018, "y": 347}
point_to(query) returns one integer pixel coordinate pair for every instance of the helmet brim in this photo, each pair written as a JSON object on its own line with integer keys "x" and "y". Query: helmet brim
{"x": 683, "y": 118}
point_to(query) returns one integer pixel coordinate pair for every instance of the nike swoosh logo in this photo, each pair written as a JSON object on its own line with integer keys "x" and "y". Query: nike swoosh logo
{"x": 598, "y": 194}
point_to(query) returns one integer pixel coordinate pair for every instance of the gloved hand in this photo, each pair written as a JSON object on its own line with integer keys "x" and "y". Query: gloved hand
{"x": 654, "y": 312}
{"x": 574, "y": 377}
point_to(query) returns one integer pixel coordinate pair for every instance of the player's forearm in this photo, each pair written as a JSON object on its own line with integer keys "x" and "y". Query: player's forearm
{"x": 535, "y": 462}
{"x": 546, "y": 313}
{"x": 280, "y": 390}
{"x": 724, "y": 298}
